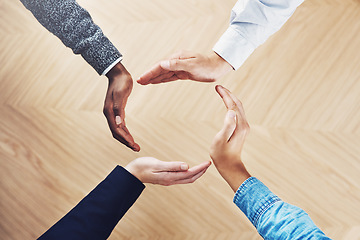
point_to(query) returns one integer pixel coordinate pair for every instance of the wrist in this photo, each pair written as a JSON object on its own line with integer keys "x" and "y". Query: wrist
{"x": 118, "y": 76}
{"x": 234, "y": 174}
{"x": 117, "y": 70}
{"x": 221, "y": 64}
{"x": 131, "y": 168}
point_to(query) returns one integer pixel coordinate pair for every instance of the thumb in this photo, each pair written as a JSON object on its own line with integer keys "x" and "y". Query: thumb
{"x": 172, "y": 167}
{"x": 119, "y": 103}
{"x": 229, "y": 126}
{"x": 175, "y": 65}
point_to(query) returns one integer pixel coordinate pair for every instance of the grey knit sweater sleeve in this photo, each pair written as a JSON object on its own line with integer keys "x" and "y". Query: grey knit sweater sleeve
{"x": 73, "y": 25}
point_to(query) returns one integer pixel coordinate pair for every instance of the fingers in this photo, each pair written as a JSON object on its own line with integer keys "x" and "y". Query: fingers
{"x": 155, "y": 72}
{"x": 120, "y": 132}
{"x": 120, "y": 98}
{"x": 171, "y": 166}
{"x": 115, "y": 117}
{"x": 189, "y": 176}
{"x": 192, "y": 174}
{"x": 228, "y": 101}
{"x": 191, "y": 179}
{"x": 228, "y": 129}
{"x": 231, "y": 101}
{"x": 167, "y": 71}
{"x": 238, "y": 103}
{"x": 164, "y": 71}
{"x": 177, "y": 64}
{"x": 126, "y": 138}
{"x": 166, "y": 77}
{"x": 196, "y": 169}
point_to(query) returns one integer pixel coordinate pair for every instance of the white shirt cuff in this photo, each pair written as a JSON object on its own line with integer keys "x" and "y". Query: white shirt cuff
{"x": 111, "y": 66}
{"x": 234, "y": 48}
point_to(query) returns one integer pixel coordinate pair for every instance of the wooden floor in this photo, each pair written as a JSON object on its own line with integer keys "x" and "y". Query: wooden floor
{"x": 300, "y": 90}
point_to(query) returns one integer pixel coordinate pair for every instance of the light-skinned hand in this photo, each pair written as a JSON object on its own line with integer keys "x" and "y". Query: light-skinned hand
{"x": 187, "y": 65}
{"x": 119, "y": 89}
{"x": 227, "y": 145}
{"x": 152, "y": 170}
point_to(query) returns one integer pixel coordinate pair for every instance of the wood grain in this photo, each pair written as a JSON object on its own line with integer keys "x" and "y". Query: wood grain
{"x": 300, "y": 90}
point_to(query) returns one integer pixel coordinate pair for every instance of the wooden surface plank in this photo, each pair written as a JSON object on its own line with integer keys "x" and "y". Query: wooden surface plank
{"x": 300, "y": 90}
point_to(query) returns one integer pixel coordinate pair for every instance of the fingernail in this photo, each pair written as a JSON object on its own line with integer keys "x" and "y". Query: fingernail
{"x": 231, "y": 114}
{"x": 165, "y": 64}
{"x": 184, "y": 166}
{"x": 140, "y": 82}
{"x": 117, "y": 120}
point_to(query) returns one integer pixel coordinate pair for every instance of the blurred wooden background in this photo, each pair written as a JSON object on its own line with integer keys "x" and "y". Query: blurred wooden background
{"x": 300, "y": 90}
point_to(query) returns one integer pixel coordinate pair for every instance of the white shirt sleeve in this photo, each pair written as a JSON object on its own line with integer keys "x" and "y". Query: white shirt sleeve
{"x": 111, "y": 66}
{"x": 252, "y": 22}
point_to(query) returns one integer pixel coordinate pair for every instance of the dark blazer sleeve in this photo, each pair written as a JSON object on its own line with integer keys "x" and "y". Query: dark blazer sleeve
{"x": 95, "y": 216}
{"x": 74, "y": 26}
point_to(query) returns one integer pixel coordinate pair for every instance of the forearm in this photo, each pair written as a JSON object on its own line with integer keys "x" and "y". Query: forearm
{"x": 273, "y": 218}
{"x": 234, "y": 174}
{"x": 97, "y": 214}
{"x": 73, "y": 25}
{"x": 252, "y": 23}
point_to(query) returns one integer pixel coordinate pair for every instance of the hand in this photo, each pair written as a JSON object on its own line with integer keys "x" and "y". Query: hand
{"x": 227, "y": 145}
{"x": 119, "y": 89}
{"x": 152, "y": 170}
{"x": 187, "y": 65}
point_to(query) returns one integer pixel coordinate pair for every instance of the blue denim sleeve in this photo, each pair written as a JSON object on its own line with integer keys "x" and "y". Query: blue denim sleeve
{"x": 273, "y": 218}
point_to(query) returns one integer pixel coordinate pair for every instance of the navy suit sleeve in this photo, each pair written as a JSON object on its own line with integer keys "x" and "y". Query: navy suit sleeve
{"x": 95, "y": 216}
